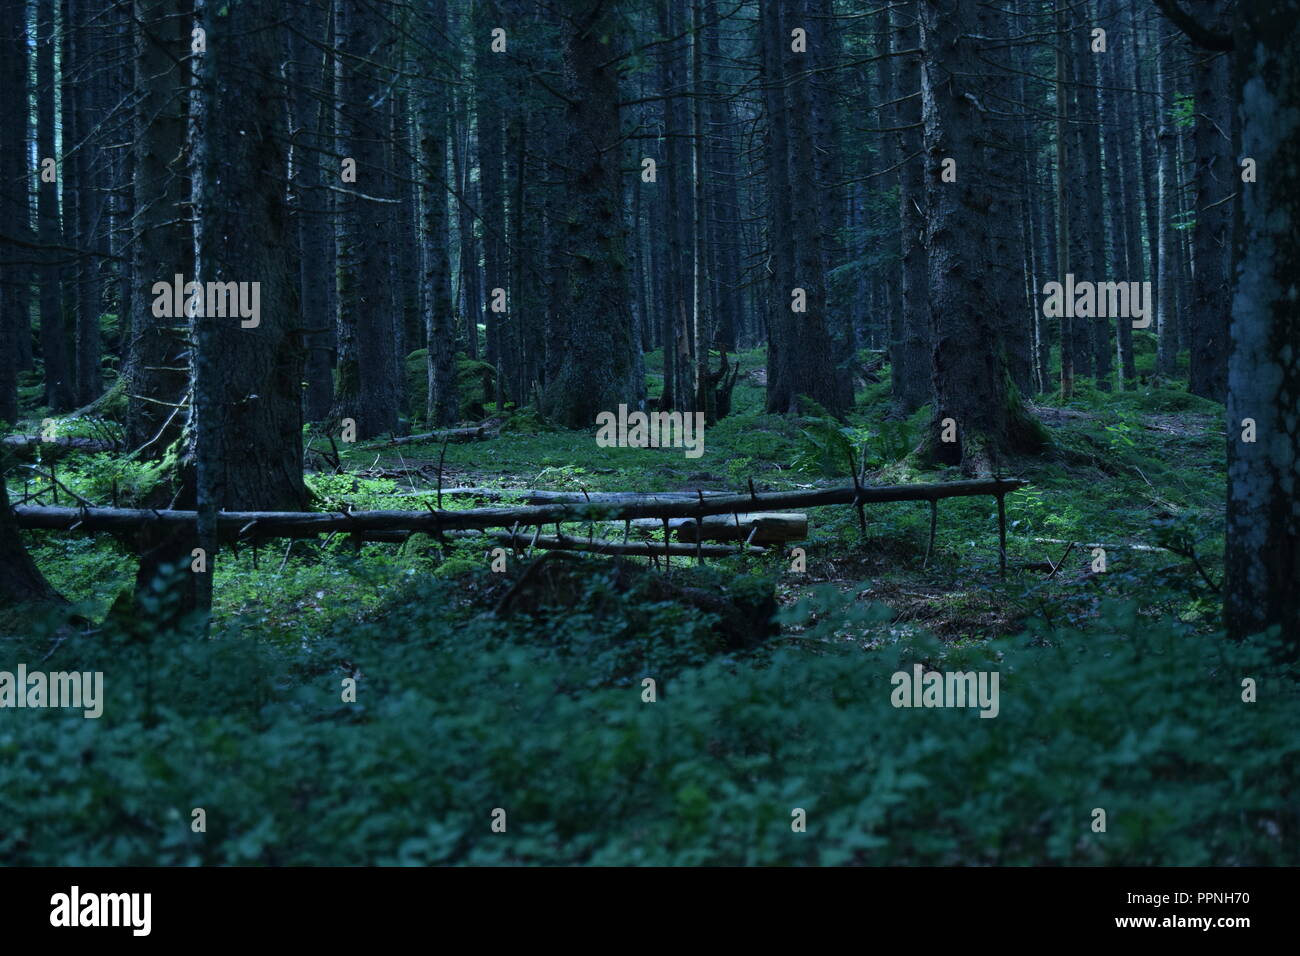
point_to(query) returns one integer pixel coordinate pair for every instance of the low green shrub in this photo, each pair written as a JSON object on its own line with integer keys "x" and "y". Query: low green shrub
{"x": 456, "y": 714}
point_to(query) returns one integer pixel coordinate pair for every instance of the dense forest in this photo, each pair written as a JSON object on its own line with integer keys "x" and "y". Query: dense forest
{"x": 557, "y": 431}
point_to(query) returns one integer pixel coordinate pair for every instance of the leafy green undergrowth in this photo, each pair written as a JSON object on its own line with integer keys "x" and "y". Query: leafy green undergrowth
{"x": 456, "y": 716}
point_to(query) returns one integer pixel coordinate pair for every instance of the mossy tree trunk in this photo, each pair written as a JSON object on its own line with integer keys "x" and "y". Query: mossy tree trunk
{"x": 1263, "y": 527}
{"x": 968, "y": 295}
{"x": 593, "y": 369}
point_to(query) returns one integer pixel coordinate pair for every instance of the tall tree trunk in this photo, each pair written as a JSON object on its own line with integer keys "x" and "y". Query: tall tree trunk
{"x": 702, "y": 315}
{"x": 676, "y": 209}
{"x": 159, "y": 359}
{"x": 910, "y": 381}
{"x": 1146, "y": 113}
{"x": 726, "y": 202}
{"x": 1080, "y": 201}
{"x": 122, "y": 199}
{"x": 81, "y": 143}
{"x": 1124, "y": 169}
{"x": 515, "y": 361}
{"x": 1063, "y": 263}
{"x": 471, "y": 283}
{"x": 442, "y": 401}
{"x": 1167, "y": 189}
{"x": 408, "y": 262}
{"x": 1263, "y": 527}
{"x": 1034, "y": 258}
{"x": 802, "y": 357}
{"x": 828, "y": 149}
{"x": 1004, "y": 145}
{"x": 1215, "y": 180}
{"x": 313, "y": 70}
{"x": 595, "y": 366}
{"x": 780, "y": 253}
{"x": 162, "y": 247}
{"x": 248, "y": 385}
{"x": 59, "y": 391}
{"x": 489, "y": 110}
{"x": 15, "y": 208}
{"x": 368, "y": 387}
{"x": 1044, "y": 215}
{"x": 973, "y": 384}
{"x": 1090, "y": 119}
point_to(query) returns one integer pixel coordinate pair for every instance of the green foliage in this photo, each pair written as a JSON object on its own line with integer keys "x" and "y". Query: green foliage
{"x": 526, "y": 420}
{"x": 361, "y": 494}
{"x": 107, "y": 478}
{"x": 539, "y": 711}
{"x": 417, "y": 381}
{"x": 1122, "y": 431}
{"x": 740, "y": 469}
{"x": 885, "y": 443}
{"x": 607, "y": 627}
{"x": 826, "y": 448}
{"x": 475, "y": 381}
{"x": 763, "y": 438}
{"x": 456, "y": 716}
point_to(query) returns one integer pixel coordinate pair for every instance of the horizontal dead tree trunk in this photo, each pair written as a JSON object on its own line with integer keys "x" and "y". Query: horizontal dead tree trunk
{"x": 453, "y": 435}
{"x": 288, "y": 524}
{"x": 645, "y": 549}
{"x": 534, "y": 496}
{"x": 767, "y": 528}
{"x": 1105, "y": 547}
{"x": 80, "y": 444}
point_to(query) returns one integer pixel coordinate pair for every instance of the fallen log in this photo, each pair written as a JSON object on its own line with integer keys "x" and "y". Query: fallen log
{"x": 534, "y": 496}
{"x": 290, "y": 524}
{"x": 453, "y": 435}
{"x": 78, "y": 444}
{"x": 523, "y": 542}
{"x": 766, "y": 528}
{"x": 1104, "y": 547}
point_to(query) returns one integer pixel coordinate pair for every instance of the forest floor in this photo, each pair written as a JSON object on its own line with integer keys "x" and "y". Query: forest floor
{"x": 1142, "y": 468}
{"x": 528, "y": 689}
{"x": 1139, "y": 468}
